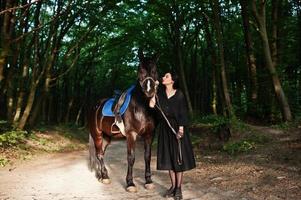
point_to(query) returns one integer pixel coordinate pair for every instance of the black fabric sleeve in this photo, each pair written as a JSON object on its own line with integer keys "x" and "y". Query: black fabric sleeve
{"x": 182, "y": 113}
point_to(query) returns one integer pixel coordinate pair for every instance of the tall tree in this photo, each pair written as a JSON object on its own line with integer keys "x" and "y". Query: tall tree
{"x": 37, "y": 72}
{"x": 7, "y": 28}
{"x": 219, "y": 40}
{"x": 259, "y": 13}
{"x": 176, "y": 23}
{"x": 250, "y": 54}
{"x": 212, "y": 52}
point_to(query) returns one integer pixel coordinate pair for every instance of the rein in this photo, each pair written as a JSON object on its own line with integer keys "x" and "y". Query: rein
{"x": 180, "y": 157}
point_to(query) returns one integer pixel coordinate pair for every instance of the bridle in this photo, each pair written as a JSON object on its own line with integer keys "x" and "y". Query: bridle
{"x": 151, "y": 79}
{"x": 145, "y": 79}
{"x": 180, "y": 157}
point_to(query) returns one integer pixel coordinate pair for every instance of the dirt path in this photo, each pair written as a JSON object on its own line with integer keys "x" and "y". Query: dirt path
{"x": 66, "y": 176}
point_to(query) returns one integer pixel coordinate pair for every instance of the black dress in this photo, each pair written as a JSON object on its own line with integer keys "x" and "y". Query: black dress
{"x": 175, "y": 110}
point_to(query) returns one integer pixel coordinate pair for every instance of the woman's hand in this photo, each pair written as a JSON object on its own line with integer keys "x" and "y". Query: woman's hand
{"x": 180, "y": 134}
{"x": 152, "y": 101}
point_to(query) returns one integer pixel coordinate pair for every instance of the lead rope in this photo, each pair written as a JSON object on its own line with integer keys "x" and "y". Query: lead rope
{"x": 180, "y": 158}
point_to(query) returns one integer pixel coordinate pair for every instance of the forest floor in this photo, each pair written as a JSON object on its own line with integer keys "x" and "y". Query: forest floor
{"x": 53, "y": 165}
{"x": 271, "y": 170}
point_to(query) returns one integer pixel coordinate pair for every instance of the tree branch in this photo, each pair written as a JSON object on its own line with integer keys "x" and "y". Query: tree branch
{"x": 18, "y": 7}
{"x": 67, "y": 70}
{"x": 255, "y": 12}
{"x": 67, "y": 54}
{"x": 40, "y": 26}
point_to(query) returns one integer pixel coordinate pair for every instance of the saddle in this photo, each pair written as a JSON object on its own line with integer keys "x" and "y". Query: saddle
{"x": 116, "y": 107}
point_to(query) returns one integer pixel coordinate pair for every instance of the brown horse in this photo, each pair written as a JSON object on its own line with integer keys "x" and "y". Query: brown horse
{"x": 138, "y": 121}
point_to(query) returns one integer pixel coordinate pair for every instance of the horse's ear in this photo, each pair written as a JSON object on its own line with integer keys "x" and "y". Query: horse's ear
{"x": 140, "y": 54}
{"x": 156, "y": 57}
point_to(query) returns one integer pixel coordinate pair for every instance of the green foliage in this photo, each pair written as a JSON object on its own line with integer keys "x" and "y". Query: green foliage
{"x": 282, "y": 126}
{"x": 287, "y": 125}
{"x": 239, "y": 126}
{"x": 195, "y": 139}
{"x": 247, "y": 144}
{"x": 259, "y": 138}
{"x": 4, "y": 126}
{"x": 107, "y": 35}
{"x": 12, "y": 138}
{"x": 217, "y": 121}
{"x": 238, "y": 147}
{"x": 3, "y": 161}
{"x": 214, "y": 120}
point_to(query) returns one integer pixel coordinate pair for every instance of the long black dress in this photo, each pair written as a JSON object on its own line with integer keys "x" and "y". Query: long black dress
{"x": 175, "y": 109}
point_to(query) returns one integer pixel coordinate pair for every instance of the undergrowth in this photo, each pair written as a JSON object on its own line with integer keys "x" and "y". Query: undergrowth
{"x": 21, "y": 145}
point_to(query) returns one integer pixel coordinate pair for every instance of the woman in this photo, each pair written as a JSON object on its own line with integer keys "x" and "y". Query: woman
{"x": 174, "y": 152}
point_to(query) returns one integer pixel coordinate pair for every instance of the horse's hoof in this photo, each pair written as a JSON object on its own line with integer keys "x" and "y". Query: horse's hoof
{"x": 131, "y": 189}
{"x": 106, "y": 181}
{"x": 149, "y": 186}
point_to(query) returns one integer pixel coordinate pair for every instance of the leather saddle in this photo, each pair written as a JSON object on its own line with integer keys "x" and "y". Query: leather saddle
{"x": 116, "y": 107}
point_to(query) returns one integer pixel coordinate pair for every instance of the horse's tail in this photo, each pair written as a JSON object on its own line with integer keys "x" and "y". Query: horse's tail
{"x": 93, "y": 161}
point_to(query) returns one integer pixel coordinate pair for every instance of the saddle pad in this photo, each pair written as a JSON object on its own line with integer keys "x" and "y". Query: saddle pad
{"x": 107, "y": 108}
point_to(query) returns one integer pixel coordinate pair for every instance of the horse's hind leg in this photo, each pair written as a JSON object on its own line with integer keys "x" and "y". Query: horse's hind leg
{"x": 102, "y": 173}
{"x": 147, "y": 157}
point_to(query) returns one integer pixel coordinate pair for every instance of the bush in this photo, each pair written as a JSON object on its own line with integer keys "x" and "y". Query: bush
{"x": 247, "y": 144}
{"x": 3, "y": 161}
{"x": 238, "y": 147}
{"x": 12, "y": 138}
{"x": 5, "y": 126}
{"x": 215, "y": 121}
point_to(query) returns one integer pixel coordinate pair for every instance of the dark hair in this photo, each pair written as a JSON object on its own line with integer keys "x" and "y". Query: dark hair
{"x": 175, "y": 78}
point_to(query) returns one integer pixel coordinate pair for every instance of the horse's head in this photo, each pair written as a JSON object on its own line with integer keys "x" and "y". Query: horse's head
{"x": 147, "y": 74}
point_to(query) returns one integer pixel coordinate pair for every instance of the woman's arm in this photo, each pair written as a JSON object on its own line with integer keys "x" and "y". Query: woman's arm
{"x": 152, "y": 101}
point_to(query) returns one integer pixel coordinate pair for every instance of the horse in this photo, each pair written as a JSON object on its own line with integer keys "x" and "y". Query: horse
{"x": 138, "y": 121}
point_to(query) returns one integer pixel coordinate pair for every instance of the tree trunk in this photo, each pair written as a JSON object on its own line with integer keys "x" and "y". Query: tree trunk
{"x": 213, "y": 63}
{"x": 21, "y": 94}
{"x": 179, "y": 56}
{"x": 24, "y": 66}
{"x": 5, "y": 36}
{"x": 41, "y": 100}
{"x": 183, "y": 79}
{"x": 37, "y": 70}
{"x": 252, "y": 69}
{"x": 260, "y": 17}
{"x": 219, "y": 38}
{"x": 274, "y": 41}
{"x": 50, "y": 109}
{"x": 79, "y": 114}
{"x": 29, "y": 104}
{"x": 299, "y": 52}
{"x": 9, "y": 94}
{"x": 70, "y": 104}
{"x": 194, "y": 79}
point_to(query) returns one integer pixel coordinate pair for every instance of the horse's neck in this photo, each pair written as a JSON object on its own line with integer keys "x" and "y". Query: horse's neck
{"x": 140, "y": 98}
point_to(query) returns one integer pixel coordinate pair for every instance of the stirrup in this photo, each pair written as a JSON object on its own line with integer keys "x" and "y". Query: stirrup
{"x": 120, "y": 125}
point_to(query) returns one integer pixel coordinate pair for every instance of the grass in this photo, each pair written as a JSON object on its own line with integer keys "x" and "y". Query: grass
{"x": 23, "y": 145}
{"x": 205, "y": 136}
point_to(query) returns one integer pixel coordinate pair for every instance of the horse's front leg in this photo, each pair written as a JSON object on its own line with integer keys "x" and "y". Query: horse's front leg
{"x": 147, "y": 158}
{"x": 131, "y": 139}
